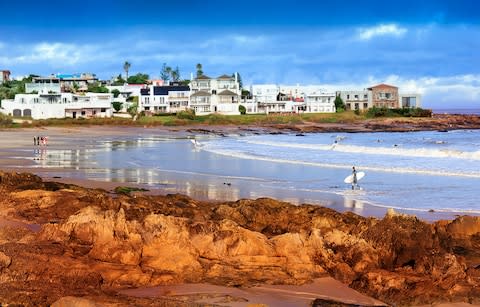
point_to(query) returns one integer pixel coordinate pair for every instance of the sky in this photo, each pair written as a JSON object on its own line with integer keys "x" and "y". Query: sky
{"x": 425, "y": 46}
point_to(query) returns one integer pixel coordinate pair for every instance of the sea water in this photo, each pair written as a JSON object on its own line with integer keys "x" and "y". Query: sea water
{"x": 411, "y": 170}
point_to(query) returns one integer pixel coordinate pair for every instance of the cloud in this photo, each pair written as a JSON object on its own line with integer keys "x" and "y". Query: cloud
{"x": 381, "y": 30}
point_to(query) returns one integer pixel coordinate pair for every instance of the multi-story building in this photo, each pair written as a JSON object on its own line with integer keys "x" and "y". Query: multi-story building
{"x": 59, "y": 105}
{"x": 319, "y": 102}
{"x": 215, "y": 95}
{"x": 384, "y": 95}
{"x": 43, "y": 85}
{"x": 356, "y": 100}
{"x": 80, "y": 80}
{"x": 4, "y": 76}
{"x": 164, "y": 99}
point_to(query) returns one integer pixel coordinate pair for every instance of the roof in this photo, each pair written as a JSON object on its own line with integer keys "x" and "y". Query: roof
{"x": 382, "y": 85}
{"x": 225, "y": 77}
{"x": 200, "y": 93}
{"x": 227, "y": 93}
{"x": 164, "y": 90}
{"x": 202, "y": 77}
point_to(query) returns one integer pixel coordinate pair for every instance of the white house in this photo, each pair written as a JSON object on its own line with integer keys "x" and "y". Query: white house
{"x": 59, "y": 105}
{"x": 320, "y": 102}
{"x": 164, "y": 99}
{"x": 215, "y": 95}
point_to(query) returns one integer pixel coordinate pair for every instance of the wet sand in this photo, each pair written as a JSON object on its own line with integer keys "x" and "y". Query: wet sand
{"x": 17, "y": 154}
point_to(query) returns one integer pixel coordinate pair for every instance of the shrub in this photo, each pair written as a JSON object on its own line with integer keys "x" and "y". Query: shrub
{"x": 242, "y": 110}
{"x": 188, "y": 114}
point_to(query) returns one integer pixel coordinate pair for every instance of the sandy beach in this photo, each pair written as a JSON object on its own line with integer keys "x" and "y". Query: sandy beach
{"x": 18, "y": 154}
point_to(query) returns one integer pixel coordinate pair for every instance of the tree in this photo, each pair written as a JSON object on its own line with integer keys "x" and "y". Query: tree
{"x": 132, "y": 110}
{"x": 239, "y": 79}
{"x": 97, "y": 88}
{"x": 175, "y": 74}
{"x": 115, "y": 93}
{"x": 126, "y": 67}
{"x": 199, "y": 70}
{"x": 165, "y": 73}
{"x": 138, "y": 79}
{"x": 119, "y": 80}
{"x": 242, "y": 110}
{"x": 117, "y": 105}
{"x": 339, "y": 105}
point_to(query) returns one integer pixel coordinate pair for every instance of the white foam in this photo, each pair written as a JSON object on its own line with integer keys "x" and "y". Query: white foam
{"x": 391, "y": 151}
{"x": 404, "y": 170}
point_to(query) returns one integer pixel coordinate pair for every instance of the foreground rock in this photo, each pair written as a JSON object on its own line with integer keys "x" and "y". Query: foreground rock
{"x": 92, "y": 243}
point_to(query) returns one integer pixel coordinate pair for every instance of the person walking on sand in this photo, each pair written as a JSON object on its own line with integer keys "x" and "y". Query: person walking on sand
{"x": 34, "y": 140}
{"x": 354, "y": 180}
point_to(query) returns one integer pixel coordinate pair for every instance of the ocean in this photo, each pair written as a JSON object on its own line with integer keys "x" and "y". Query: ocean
{"x": 417, "y": 171}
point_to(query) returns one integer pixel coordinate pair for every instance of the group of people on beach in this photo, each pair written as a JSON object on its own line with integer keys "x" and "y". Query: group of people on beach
{"x": 40, "y": 140}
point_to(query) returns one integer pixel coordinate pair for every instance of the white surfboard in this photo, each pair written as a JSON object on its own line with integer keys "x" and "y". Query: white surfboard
{"x": 349, "y": 179}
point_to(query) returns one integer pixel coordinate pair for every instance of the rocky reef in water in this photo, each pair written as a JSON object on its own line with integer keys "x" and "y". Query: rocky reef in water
{"x": 89, "y": 242}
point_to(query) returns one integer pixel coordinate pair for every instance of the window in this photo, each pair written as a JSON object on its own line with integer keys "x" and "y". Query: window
{"x": 388, "y": 95}
{"x": 348, "y": 96}
{"x": 83, "y": 113}
{"x": 356, "y": 97}
{"x": 357, "y": 106}
{"x": 365, "y": 96}
{"x": 103, "y": 110}
{"x": 365, "y": 105}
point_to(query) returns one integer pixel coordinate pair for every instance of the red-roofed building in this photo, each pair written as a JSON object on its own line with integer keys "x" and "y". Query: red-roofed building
{"x": 384, "y": 95}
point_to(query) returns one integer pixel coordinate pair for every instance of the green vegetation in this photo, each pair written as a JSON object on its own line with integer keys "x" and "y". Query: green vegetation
{"x": 117, "y": 105}
{"x": 401, "y": 112}
{"x": 169, "y": 74}
{"x": 133, "y": 109}
{"x": 5, "y": 121}
{"x": 199, "y": 69}
{"x": 128, "y": 190}
{"x": 188, "y": 114}
{"x": 97, "y": 87}
{"x": 138, "y": 79}
{"x": 242, "y": 110}
{"x": 115, "y": 93}
{"x": 339, "y": 104}
{"x": 119, "y": 80}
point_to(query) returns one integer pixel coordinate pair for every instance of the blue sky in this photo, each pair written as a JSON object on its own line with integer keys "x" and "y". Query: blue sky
{"x": 432, "y": 47}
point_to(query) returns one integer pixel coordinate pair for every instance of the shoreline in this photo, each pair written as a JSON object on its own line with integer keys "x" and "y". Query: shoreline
{"x": 16, "y": 141}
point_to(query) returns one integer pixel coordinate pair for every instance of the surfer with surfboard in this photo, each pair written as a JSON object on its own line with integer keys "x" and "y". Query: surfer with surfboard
{"x": 354, "y": 178}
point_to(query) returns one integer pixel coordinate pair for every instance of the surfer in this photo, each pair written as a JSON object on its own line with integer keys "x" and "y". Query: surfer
{"x": 354, "y": 181}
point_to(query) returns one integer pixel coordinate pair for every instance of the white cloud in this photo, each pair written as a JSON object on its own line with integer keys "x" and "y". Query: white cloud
{"x": 381, "y": 30}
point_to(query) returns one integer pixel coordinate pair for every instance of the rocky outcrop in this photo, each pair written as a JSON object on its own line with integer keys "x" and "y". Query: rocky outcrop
{"x": 92, "y": 243}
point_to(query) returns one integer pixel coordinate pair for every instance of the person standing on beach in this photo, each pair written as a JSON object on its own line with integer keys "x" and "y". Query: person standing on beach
{"x": 354, "y": 180}
{"x": 34, "y": 140}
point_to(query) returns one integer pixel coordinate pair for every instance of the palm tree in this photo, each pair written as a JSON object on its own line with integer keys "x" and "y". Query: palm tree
{"x": 126, "y": 67}
{"x": 199, "y": 70}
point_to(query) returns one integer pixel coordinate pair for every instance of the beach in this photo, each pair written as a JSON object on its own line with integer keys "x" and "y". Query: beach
{"x": 79, "y": 145}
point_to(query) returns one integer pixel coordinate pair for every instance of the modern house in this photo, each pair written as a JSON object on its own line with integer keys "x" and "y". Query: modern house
{"x": 356, "y": 100}
{"x": 4, "y": 76}
{"x": 409, "y": 100}
{"x": 382, "y": 95}
{"x": 320, "y": 102}
{"x": 58, "y": 105}
{"x": 164, "y": 99}
{"x": 215, "y": 95}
